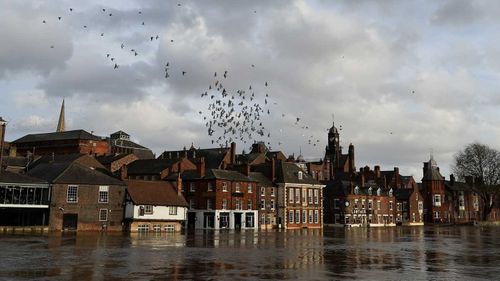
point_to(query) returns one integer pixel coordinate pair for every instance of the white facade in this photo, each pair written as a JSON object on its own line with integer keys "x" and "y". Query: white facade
{"x": 248, "y": 219}
{"x": 159, "y": 213}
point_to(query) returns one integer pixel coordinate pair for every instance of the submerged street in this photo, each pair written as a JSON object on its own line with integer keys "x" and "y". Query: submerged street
{"x": 402, "y": 253}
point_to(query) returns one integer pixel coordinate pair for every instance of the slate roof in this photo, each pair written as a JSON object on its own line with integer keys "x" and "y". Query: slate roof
{"x": 15, "y": 161}
{"x": 260, "y": 179}
{"x": 150, "y": 166}
{"x": 432, "y": 174}
{"x": 108, "y": 159}
{"x": 9, "y": 177}
{"x": 67, "y": 135}
{"x": 288, "y": 173}
{"x": 457, "y": 186}
{"x": 227, "y": 175}
{"x": 72, "y": 173}
{"x": 139, "y": 150}
{"x": 158, "y": 193}
{"x": 213, "y": 156}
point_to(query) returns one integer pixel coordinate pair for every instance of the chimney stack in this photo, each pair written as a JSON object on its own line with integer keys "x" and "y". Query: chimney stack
{"x": 233, "y": 153}
{"x": 179, "y": 184}
{"x": 377, "y": 171}
{"x": 273, "y": 169}
{"x": 352, "y": 168}
{"x": 452, "y": 179}
{"x": 200, "y": 168}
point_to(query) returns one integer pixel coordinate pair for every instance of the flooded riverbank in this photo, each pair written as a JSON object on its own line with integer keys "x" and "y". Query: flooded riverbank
{"x": 413, "y": 253}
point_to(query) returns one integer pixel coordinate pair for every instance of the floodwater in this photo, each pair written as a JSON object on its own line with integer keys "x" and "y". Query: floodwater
{"x": 399, "y": 253}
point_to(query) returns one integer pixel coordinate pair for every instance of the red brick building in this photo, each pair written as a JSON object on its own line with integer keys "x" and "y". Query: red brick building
{"x": 437, "y": 208}
{"x": 68, "y": 142}
{"x": 83, "y": 198}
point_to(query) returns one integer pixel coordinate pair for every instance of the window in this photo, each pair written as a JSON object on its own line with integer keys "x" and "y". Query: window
{"x": 310, "y": 196}
{"x": 249, "y": 205}
{"x": 297, "y": 195}
{"x": 262, "y": 204}
{"x": 420, "y": 206}
{"x": 192, "y": 204}
{"x": 148, "y": 209}
{"x": 224, "y": 186}
{"x": 399, "y": 207}
{"x": 390, "y": 192}
{"x": 72, "y": 194}
{"x": 436, "y": 215}
{"x": 390, "y": 205}
{"x": 238, "y": 204}
{"x": 378, "y": 204}
{"x": 224, "y": 203}
{"x": 172, "y": 210}
{"x": 272, "y": 191}
{"x": 169, "y": 228}
{"x": 363, "y": 204}
{"x": 192, "y": 188}
{"x": 183, "y": 186}
{"x": 157, "y": 227}
{"x": 297, "y": 216}
{"x": 103, "y": 194}
{"x": 310, "y": 216}
{"x": 370, "y": 204}
{"x": 379, "y": 191}
{"x": 437, "y": 200}
{"x": 250, "y": 188}
{"x": 290, "y": 217}
{"x": 209, "y": 204}
{"x": 370, "y": 191}
{"x": 461, "y": 201}
{"x": 316, "y": 216}
{"x": 316, "y": 196}
{"x": 356, "y": 203}
{"x": 356, "y": 190}
{"x": 304, "y": 216}
{"x": 299, "y": 175}
{"x": 237, "y": 187}
{"x": 336, "y": 203}
{"x": 210, "y": 187}
{"x": 103, "y": 215}
{"x": 143, "y": 227}
{"x": 262, "y": 191}
{"x": 290, "y": 195}
{"x": 272, "y": 204}
{"x": 304, "y": 195}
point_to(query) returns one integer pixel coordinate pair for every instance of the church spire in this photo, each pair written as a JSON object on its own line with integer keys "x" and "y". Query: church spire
{"x": 61, "y": 125}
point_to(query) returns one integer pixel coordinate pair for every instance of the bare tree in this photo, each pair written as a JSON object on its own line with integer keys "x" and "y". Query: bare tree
{"x": 481, "y": 163}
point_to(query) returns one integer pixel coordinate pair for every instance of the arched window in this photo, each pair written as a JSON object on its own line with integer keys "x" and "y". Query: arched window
{"x": 390, "y": 192}
{"x": 299, "y": 174}
{"x": 379, "y": 191}
{"x": 356, "y": 190}
{"x": 370, "y": 191}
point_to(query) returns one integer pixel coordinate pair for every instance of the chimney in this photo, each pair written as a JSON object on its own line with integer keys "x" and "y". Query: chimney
{"x": 273, "y": 169}
{"x": 123, "y": 172}
{"x": 362, "y": 179}
{"x": 200, "y": 167}
{"x": 233, "y": 153}
{"x": 246, "y": 169}
{"x": 397, "y": 177}
{"x": 377, "y": 171}
{"x": 179, "y": 184}
{"x": 452, "y": 179}
{"x": 352, "y": 168}
{"x": 426, "y": 167}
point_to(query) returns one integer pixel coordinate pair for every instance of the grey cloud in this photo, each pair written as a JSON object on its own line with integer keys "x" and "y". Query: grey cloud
{"x": 457, "y": 12}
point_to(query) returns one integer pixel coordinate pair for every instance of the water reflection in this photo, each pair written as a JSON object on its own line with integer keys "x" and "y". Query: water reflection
{"x": 392, "y": 253}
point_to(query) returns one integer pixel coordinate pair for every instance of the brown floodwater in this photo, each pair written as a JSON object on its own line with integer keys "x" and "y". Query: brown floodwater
{"x": 399, "y": 253}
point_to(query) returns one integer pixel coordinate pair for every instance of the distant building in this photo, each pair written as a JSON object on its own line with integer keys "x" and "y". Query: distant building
{"x": 115, "y": 162}
{"x": 67, "y": 142}
{"x": 437, "y": 204}
{"x": 157, "y": 169}
{"x": 120, "y": 143}
{"x": 154, "y": 206}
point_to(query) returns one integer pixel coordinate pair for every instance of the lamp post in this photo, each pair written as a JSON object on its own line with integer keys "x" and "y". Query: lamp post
{"x": 2, "y": 125}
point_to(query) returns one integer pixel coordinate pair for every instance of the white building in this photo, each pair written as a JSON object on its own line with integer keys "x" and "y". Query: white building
{"x": 154, "y": 206}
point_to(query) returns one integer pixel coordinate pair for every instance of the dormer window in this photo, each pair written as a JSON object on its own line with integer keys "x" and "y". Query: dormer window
{"x": 299, "y": 175}
{"x": 370, "y": 191}
{"x": 390, "y": 192}
{"x": 379, "y": 191}
{"x": 356, "y": 190}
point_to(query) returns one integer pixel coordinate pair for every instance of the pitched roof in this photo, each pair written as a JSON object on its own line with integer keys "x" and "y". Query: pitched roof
{"x": 15, "y": 161}
{"x": 260, "y": 179}
{"x": 227, "y": 175}
{"x": 159, "y": 193}
{"x": 108, "y": 159}
{"x": 67, "y": 135}
{"x": 150, "y": 166}
{"x": 432, "y": 174}
{"x": 9, "y": 177}
{"x": 73, "y": 173}
{"x": 213, "y": 156}
{"x": 403, "y": 193}
{"x": 288, "y": 173}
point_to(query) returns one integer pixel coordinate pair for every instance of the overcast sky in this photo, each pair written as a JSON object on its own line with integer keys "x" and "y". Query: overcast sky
{"x": 402, "y": 78}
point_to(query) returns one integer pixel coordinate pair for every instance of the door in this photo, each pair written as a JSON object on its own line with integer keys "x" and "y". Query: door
{"x": 70, "y": 221}
{"x": 237, "y": 220}
{"x": 191, "y": 220}
{"x": 209, "y": 220}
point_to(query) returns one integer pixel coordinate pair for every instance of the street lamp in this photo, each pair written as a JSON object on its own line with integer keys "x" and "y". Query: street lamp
{"x": 2, "y": 125}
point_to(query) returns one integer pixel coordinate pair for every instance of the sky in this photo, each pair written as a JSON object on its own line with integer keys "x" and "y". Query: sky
{"x": 403, "y": 79}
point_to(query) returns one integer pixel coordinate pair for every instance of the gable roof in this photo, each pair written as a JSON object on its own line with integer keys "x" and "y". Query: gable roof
{"x": 56, "y": 136}
{"x": 288, "y": 173}
{"x": 108, "y": 159}
{"x": 150, "y": 166}
{"x": 159, "y": 193}
{"x": 9, "y": 177}
{"x": 72, "y": 173}
{"x": 260, "y": 179}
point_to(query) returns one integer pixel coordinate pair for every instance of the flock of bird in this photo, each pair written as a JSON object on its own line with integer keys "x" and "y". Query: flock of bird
{"x": 238, "y": 115}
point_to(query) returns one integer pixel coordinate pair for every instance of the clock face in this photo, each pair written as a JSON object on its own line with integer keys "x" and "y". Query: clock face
{"x": 347, "y": 203}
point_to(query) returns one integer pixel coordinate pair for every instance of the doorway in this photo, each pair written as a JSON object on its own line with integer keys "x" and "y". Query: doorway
{"x": 237, "y": 220}
{"x": 70, "y": 221}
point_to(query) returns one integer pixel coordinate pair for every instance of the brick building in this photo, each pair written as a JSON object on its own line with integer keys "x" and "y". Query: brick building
{"x": 157, "y": 169}
{"x": 437, "y": 206}
{"x": 115, "y": 162}
{"x": 83, "y": 198}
